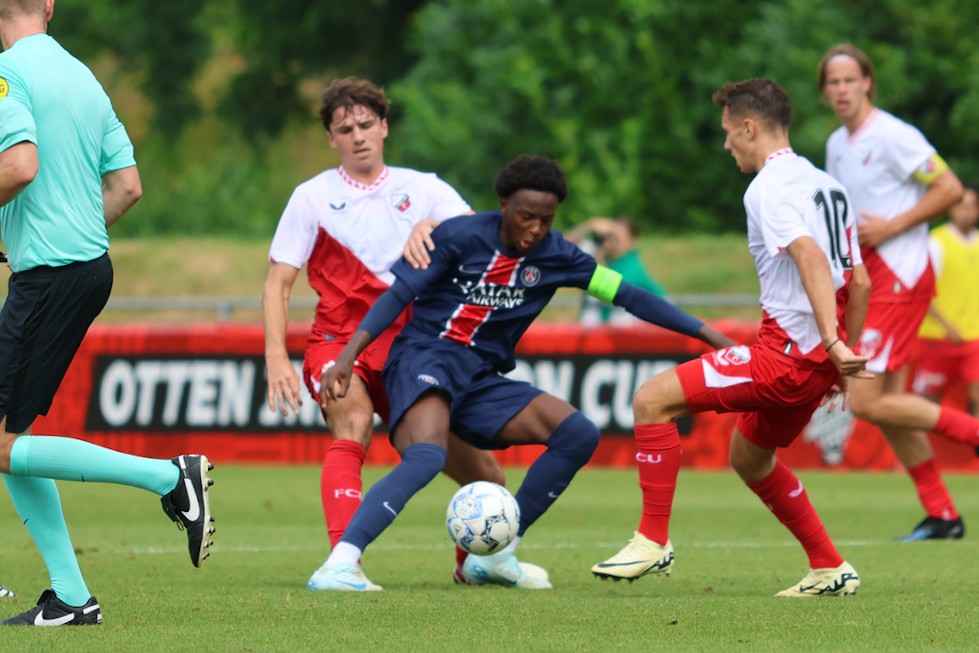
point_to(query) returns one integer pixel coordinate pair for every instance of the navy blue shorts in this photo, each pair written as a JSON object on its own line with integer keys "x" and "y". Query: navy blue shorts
{"x": 42, "y": 323}
{"x": 482, "y": 401}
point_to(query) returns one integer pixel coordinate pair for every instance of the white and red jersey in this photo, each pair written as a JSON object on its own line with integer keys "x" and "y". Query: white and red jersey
{"x": 349, "y": 235}
{"x": 788, "y": 199}
{"x": 877, "y": 164}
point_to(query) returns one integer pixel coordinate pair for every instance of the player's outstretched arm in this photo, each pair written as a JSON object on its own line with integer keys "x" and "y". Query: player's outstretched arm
{"x": 608, "y": 286}
{"x": 714, "y": 338}
{"x": 335, "y": 381}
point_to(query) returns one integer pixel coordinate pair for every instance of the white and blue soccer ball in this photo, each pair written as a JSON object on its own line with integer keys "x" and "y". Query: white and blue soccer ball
{"x": 483, "y": 517}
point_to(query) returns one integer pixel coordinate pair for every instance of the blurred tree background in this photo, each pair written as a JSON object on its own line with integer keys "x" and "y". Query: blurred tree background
{"x": 220, "y": 96}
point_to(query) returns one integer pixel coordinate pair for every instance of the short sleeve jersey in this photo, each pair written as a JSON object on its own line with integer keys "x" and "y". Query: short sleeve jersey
{"x": 876, "y": 164}
{"x": 482, "y": 295}
{"x": 788, "y": 199}
{"x": 51, "y": 99}
{"x": 348, "y": 235}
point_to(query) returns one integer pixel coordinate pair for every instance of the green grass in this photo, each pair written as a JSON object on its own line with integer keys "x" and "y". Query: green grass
{"x": 732, "y": 556}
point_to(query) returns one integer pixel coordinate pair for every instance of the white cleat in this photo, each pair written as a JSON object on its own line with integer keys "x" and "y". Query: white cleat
{"x": 834, "y": 581}
{"x": 504, "y": 569}
{"x": 639, "y": 557}
{"x": 341, "y": 577}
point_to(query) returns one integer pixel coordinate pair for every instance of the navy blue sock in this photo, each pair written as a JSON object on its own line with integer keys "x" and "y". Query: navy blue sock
{"x": 420, "y": 463}
{"x": 568, "y": 449}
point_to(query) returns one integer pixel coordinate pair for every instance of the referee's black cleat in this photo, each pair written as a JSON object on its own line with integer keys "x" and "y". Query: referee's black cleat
{"x": 52, "y": 611}
{"x": 187, "y": 504}
{"x": 935, "y": 528}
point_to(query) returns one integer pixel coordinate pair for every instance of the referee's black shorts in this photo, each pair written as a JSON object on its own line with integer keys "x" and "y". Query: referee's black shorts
{"x": 42, "y": 323}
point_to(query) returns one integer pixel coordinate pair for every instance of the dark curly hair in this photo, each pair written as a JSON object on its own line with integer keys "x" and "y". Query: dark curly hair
{"x": 531, "y": 172}
{"x": 347, "y": 93}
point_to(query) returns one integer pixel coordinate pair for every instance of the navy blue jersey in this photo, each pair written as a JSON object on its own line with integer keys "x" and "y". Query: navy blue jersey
{"x": 482, "y": 295}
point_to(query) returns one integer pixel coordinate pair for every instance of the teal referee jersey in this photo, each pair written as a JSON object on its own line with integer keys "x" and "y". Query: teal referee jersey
{"x": 51, "y": 99}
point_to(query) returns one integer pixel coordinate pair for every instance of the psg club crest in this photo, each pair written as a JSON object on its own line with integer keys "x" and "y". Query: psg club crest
{"x": 401, "y": 202}
{"x": 530, "y": 276}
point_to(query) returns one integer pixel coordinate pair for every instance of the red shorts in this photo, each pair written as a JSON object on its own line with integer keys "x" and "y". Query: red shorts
{"x": 368, "y": 367}
{"x": 889, "y": 333}
{"x": 775, "y": 394}
{"x": 941, "y": 363}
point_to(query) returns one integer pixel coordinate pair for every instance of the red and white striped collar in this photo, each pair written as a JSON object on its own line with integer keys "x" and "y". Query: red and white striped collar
{"x": 350, "y": 181}
{"x": 776, "y": 154}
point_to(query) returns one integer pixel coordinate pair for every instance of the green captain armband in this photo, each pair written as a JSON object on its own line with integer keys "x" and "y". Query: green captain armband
{"x": 604, "y": 284}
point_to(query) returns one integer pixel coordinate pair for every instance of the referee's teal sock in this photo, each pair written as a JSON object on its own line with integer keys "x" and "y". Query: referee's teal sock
{"x": 67, "y": 459}
{"x": 39, "y": 506}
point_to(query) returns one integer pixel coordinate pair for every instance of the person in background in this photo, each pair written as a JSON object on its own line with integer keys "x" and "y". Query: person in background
{"x": 614, "y": 244}
{"x": 949, "y": 336}
{"x": 67, "y": 174}
{"x": 897, "y": 183}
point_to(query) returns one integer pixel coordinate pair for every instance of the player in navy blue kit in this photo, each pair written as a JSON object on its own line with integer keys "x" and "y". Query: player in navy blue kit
{"x": 491, "y": 274}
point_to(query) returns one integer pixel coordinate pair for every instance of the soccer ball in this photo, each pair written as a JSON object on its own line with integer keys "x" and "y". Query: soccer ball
{"x": 482, "y": 518}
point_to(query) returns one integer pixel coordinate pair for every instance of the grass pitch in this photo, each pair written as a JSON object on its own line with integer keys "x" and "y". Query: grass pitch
{"x": 732, "y": 556}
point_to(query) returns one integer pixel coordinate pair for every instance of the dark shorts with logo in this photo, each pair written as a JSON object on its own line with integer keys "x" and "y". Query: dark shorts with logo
{"x": 482, "y": 400}
{"x": 42, "y": 323}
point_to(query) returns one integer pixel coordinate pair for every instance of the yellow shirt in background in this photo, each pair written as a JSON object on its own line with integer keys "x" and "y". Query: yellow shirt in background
{"x": 956, "y": 262}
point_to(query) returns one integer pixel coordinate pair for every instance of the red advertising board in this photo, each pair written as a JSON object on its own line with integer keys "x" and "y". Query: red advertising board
{"x": 164, "y": 390}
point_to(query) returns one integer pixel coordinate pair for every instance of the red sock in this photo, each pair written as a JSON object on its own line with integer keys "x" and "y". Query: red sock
{"x": 461, "y": 556}
{"x": 341, "y": 485}
{"x": 932, "y": 492}
{"x": 658, "y": 456}
{"x": 784, "y": 495}
{"x": 957, "y": 425}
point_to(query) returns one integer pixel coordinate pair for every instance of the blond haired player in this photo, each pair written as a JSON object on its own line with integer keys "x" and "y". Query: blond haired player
{"x": 897, "y": 183}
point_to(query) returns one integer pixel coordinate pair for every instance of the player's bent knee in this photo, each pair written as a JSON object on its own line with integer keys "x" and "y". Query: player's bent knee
{"x": 648, "y": 404}
{"x": 577, "y": 437}
{"x": 430, "y": 457}
{"x": 865, "y": 410}
{"x": 354, "y": 424}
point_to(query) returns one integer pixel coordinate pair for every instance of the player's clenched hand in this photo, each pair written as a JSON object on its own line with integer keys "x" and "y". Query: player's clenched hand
{"x": 420, "y": 243}
{"x": 848, "y": 363}
{"x": 284, "y": 388}
{"x": 335, "y": 381}
{"x": 873, "y": 230}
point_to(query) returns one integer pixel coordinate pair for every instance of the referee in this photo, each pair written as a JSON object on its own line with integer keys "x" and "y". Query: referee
{"x": 67, "y": 173}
